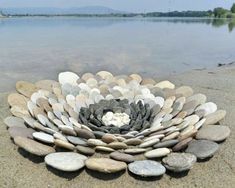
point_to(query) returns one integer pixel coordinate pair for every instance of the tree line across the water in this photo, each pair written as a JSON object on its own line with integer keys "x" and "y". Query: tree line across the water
{"x": 218, "y": 12}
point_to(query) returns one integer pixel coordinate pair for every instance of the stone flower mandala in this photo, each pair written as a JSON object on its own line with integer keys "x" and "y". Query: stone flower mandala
{"x": 123, "y": 117}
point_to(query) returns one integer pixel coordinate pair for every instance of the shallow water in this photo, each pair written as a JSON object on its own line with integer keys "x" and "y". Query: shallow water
{"x": 39, "y": 48}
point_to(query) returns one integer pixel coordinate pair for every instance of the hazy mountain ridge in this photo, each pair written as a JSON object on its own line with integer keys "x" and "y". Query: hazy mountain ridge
{"x": 50, "y": 10}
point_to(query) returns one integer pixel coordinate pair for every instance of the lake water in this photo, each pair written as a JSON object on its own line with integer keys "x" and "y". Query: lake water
{"x": 39, "y": 48}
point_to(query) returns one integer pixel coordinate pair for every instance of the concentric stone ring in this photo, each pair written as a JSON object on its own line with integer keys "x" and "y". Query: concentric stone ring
{"x": 123, "y": 117}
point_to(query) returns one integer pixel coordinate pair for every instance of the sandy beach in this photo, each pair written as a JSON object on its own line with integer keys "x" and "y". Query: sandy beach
{"x": 20, "y": 169}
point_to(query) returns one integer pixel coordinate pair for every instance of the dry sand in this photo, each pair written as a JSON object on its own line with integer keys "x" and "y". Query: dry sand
{"x": 20, "y": 169}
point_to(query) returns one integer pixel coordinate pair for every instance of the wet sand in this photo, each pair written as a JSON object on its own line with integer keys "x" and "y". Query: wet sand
{"x": 20, "y": 169}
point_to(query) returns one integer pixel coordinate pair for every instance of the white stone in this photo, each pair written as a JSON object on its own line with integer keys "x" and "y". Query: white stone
{"x": 66, "y": 161}
{"x": 165, "y": 84}
{"x": 116, "y": 119}
{"x": 43, "y": 137}
{"x": 68, "y": 77}
{"x": 209, "y": 108}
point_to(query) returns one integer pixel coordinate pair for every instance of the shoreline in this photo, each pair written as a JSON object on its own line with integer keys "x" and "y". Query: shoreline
{"x": 20, "y": 169}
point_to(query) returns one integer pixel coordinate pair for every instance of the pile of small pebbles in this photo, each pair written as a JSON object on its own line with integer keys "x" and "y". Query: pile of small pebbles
{"x": 108, "y": 123}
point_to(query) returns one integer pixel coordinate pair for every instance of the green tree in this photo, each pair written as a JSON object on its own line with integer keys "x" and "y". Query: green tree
{"x": 220, "y": 12}
{"x": 233, "y": 8}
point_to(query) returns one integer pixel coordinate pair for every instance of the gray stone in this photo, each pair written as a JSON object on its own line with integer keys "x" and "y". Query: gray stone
{"x": 215, "y": 117}
{"x": 122, "y": 157}
{"x": 66, "y": 161}
{"x": 12, "y": 121}
{"x": 85, "y": 150}
{"x": 213, "y": 132}
{"x": 77, "y": 141}
{"x": 21, "y": 131}
{"x": 178, "y": 162}
{"x": 167, "y": 143}
{"x": 33, "y": 147}
{"x": 146, "y": 168}
{"x": 202, "y": 148}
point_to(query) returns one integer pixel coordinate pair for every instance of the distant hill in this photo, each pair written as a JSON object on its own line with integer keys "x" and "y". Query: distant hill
{"x": 53, "y": 11}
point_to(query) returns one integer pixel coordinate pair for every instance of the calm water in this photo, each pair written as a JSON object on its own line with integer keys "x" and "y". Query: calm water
{"x": 37, "y": 48}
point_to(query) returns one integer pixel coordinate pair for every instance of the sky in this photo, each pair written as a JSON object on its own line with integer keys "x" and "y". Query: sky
{"x": 124, "y": 5}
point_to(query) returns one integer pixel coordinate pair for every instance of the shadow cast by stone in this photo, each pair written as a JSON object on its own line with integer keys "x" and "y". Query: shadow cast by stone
{"x": 150, "y": 178}
{"x": 62, "y": 174}
{"x": 105, "y": 176}
{"x": 31, "y": 157}
{"x": 177, "y": 175}
{"x": 204, "y": 160}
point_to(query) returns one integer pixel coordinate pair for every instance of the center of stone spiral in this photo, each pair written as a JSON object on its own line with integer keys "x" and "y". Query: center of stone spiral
{"x": 116, "y": 119}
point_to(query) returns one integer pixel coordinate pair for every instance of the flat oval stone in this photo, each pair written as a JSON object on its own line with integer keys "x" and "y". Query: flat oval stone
{"x": 64, "y": 144}
{"x": 156, "y": 153}
{"x": 77, "y": 141}
{"x": 26, "y": 88}
{"x": 21, "y": 131}
{"x": 158, "y": 136}
{"x": 87, "y": 75}
{"x": 146, "y": 168}
{"x": 19, "y": 111}
{"x": 148, "y": 81}
{"x": 167, "y": 143}
{"x": 95, "y": 142}
{"x": 68, "y": 77}
{"x": 59, "y": 136}
{"x": 68, "y": 130}
{"x": 185, "y": 91}
{"x": 136, "y": 77}
{"x": 85, "y": 150}
{"x": 165, "y": 84}
{"x": 104, "y": 74}
{"x": 178, "y": 162}
{"x": 16, "y": 99}
{"x": 105, "y": 165}
{"x": 190, "y": 106}
{"x": 149, "y": 143}
{"x": 45, "y": 84}
{"x": 33, "y": 147}
{"x": 12, "y": 121}
{"x": 108, "y": 138}
{"x": 200, "y": 98}
{"x": 133, "y": 141}
{"x": 117, "y": 145}
{"x": 29, "y": 121}
{"x": 215, "y": 133}
{"x": 202, "y": 148}
{"x": 171, "y": 136}
{"x": 66, "y": 161}
{"x": 122, "y": 157}
{"x": 83, "y": 133}
{"x": 208, "y": 107}
{"x": 182, "y": 144}
{"x": 135, "y": 150}
{"x": 43, "y": 137}
{"x": 193, "y": 119}
{"x": 104, "y": 149}
{"x": 215, "y": 117}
